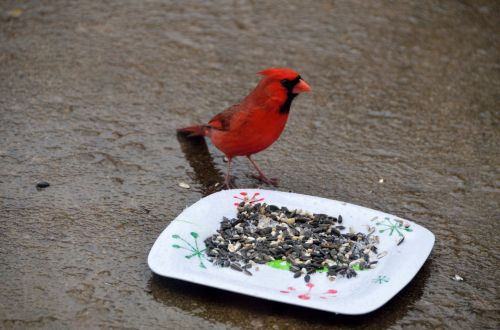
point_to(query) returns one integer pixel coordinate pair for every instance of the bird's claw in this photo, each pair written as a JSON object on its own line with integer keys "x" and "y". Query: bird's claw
{"x": 263, "y": 178}
{"x": 229, "y": 183}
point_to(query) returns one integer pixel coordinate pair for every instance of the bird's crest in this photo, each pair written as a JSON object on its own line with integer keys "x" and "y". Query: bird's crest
{"x": 279, "y": 73}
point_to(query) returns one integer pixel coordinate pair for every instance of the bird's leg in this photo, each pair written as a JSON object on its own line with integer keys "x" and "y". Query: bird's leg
{"x": 261, "y": 176}
{"x": 228, "y": 180}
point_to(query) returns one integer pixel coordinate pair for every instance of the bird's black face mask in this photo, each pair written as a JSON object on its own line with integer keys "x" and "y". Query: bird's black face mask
{"x": 289, "y": 85}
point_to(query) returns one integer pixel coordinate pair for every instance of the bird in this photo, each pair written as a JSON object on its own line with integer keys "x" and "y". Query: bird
{"x": 255, "y": 123}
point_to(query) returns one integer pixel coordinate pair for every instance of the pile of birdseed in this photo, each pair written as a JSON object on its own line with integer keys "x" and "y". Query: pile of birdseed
{"x": 261, "y": 233}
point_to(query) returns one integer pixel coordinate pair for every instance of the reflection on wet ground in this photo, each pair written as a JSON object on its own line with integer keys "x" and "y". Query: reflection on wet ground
{"x": 403, "y": 118}
{"x": 208, "y": 303}
{"x": 198, "y": 156}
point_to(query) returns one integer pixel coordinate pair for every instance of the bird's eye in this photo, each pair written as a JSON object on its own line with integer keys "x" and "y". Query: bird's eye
{"x": 289, "y": 84}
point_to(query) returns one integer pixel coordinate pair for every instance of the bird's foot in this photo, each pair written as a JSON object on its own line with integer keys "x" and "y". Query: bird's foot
{"x": 229, "y": 183}
{"x": 263, "y": 178}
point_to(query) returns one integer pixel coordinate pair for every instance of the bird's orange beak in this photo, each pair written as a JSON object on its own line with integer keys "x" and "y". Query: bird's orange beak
{"x": 301, "y": 87}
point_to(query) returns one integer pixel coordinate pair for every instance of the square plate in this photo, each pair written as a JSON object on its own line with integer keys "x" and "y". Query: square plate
{"x": 179, "y": 252}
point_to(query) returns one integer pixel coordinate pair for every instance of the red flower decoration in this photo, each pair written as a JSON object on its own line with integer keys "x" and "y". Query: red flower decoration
{"x": 244, "y": 198}
{"x": 288, "y": 290}
{"x": 308, "y": 295}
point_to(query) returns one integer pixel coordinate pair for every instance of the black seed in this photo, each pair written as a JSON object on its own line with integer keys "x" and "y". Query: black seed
{"x": 42, "y": 185}
{"x": 301, "y": 219}
{"x": 307, "y": 278}
{"x": 236, "y": 267}
{"x": 320, "y": 216}
{"x": 339, "y": 219}
{"x": 335, "y": 231}
{"x": 265, "y": 231}
{"x": 260, "y": 246}
{"x": 273, "y": 208}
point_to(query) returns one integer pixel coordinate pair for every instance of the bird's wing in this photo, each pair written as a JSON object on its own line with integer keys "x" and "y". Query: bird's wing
{"x": 223, "y": 120}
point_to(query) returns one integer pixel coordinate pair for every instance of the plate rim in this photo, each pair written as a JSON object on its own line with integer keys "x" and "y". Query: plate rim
{"x": 209, "y": 282}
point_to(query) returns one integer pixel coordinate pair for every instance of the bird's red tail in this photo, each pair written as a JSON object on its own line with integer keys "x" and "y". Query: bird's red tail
{"x": 196, "y": 130}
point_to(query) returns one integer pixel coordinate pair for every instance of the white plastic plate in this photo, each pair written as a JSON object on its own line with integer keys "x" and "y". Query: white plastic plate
{"x": 179, "y": 253}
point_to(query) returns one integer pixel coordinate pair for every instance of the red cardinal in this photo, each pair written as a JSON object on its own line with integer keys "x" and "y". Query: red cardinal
{"x": 256, "y": 122}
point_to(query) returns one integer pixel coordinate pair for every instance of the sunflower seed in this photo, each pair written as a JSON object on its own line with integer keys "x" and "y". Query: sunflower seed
{"x": 184, "y": 185}
{"x": 236, "y": 267}
{"x": 42, "y": 185}
{"x": 381, "y": 255}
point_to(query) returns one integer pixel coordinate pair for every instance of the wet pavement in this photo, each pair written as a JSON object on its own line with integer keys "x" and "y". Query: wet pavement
{"x": 91, "y": 93}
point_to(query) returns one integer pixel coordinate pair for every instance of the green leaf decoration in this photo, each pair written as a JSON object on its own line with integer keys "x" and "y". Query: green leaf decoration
{"x": 194, "y": 248}
{"x": 381, "y": 279}
{"x": 396, "y": 226}
{"x": 279, "y": 264}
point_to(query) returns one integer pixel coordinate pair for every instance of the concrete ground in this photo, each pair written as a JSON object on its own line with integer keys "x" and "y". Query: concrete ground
{"x": 91, "y": 93}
